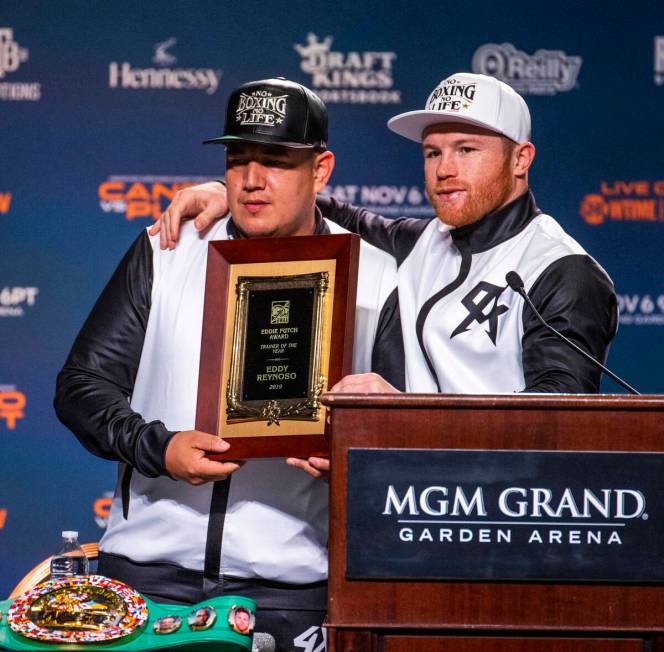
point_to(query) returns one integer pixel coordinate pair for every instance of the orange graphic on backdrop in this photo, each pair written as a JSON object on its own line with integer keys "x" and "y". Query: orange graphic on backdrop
{"x": 5, "y": 202}
{"x": 141, "y": 199}
{"x": 593, "y": 209}
{"x": 11, "y": 407}
{"x": 625, "y": 201}
{"x": 102, "y": 507}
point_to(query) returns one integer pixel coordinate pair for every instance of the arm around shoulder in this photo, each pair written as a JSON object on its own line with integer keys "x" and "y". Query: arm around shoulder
{"x": 395, "y": 236}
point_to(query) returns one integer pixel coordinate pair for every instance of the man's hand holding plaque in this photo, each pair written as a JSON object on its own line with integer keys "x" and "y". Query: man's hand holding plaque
{"x": 317, "y": 467}
{"x": 186, "y": 458}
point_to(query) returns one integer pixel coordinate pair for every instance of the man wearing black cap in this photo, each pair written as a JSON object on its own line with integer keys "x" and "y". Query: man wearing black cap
{"x": 181, "y": 528}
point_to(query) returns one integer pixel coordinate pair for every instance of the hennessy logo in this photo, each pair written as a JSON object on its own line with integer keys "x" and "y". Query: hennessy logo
{"x": 161, "y": 56}
{"x": 489, "y": 294}
{"x": 261, "y": 108}
{"x": 280, "y": 312}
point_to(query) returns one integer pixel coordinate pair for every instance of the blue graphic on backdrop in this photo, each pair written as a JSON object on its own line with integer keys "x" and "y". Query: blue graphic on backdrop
{"x": 103, "y": 114}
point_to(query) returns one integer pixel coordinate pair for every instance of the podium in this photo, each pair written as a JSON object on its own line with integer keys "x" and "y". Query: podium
{"x": 600, "y": 596}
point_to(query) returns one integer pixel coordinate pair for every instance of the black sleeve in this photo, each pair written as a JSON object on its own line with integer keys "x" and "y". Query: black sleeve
{"x": 577, "y": 298}
{"x": 387, "y": 356}
{"x": 395, "y": 236}
{"x": 97, "y": 380}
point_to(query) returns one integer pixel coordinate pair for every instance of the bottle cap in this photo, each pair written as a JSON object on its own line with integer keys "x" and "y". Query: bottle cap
{"x": 69, "y": 534}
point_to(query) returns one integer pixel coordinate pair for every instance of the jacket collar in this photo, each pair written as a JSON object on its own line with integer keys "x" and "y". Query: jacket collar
{"x": 499, "y": 226}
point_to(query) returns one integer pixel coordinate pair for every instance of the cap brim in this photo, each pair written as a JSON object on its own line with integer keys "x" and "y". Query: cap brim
{"x": 412, "y": 124}
{"x": 259, "y": 140}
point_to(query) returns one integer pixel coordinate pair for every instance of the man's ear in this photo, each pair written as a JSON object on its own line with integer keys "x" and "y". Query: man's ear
{"x": 523, "y": 156}
{"x": 323, "y": 166}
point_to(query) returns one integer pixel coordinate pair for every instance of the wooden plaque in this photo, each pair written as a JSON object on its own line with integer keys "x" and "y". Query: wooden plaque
{"x": 278, "y": 326}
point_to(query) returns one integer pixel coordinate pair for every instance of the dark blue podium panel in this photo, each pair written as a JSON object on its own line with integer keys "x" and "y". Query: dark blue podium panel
{"x": 505, "y": 515}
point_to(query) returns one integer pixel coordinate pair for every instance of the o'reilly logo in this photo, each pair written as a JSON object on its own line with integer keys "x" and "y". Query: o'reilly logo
{"x": 164, "y": 75}
{"x": 546, "y": 72}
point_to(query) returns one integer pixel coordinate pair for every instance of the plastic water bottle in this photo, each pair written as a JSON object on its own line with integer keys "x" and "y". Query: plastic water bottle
{"x": 69, "y": 559}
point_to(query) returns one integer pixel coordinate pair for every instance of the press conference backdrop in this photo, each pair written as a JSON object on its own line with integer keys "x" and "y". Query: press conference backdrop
{"x": 103, "y": 107}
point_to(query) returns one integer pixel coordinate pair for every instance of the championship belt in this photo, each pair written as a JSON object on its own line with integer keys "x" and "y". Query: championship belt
{"x": 99, "y": 613}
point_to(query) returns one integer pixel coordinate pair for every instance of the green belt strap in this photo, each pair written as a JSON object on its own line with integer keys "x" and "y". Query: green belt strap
{"x": 97, "y": 613}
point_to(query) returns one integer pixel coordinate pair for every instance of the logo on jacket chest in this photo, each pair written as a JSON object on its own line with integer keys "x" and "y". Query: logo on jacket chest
{"x": 482, "y": 306}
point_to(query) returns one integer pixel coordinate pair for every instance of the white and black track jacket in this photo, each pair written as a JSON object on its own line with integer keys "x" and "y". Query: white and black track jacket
{"x": 465, "y": 330}
{"x": 129, "y": 384}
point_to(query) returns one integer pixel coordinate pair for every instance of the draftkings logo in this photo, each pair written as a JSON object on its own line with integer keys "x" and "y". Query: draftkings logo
{"x": 5, "y": 202}
{"x": 164, "y": 75}
{"x": 14, "y": 300}
{"x": 141, "y": 196}
{"x": 12, "y": 56}
{"x": 3, "y": 517}
{"x": 624, "y": 201}
{"x": 102, "y": 508}
{"x": 641, "y": 309}
{"x": 388, "y": 200}
{"x": 348, "y": 77}
{"x": 659, "y": 60}
{"x": 12, "y": 406}
{"x": 546, "y": 72}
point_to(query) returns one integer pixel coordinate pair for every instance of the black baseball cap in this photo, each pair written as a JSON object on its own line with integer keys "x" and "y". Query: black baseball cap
{"x": 275, "y": 112}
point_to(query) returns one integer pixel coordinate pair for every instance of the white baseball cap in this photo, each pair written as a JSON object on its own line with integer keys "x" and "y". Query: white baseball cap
{"x": 473, "y": 99}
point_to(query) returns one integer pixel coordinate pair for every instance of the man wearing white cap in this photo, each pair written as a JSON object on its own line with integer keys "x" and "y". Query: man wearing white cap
{"x": 465, "y": 330}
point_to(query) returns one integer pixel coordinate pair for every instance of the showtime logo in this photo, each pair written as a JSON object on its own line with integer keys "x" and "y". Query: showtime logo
{"x": 388, "y": 200}
{"x": 546, "y": 72}
{"x": 12, "y": 56}
{"x": 624, "y": 201}
{"x": 164, "y": 76}
{"x": 141, "y": 196}
{"x": 348, "y": 77}
{"x": 12, "y": 404}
